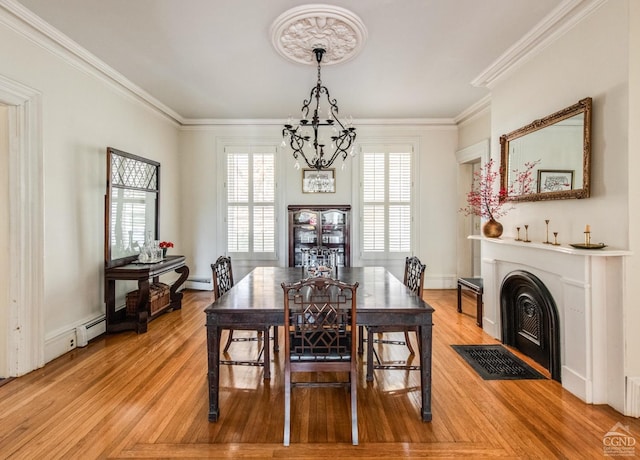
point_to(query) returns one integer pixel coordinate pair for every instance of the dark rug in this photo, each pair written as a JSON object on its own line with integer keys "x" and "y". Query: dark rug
{"x": 495, "y": 362}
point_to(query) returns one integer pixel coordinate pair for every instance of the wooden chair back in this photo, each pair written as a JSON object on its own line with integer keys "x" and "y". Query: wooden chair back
{"x": 222, "y": 276}
{"x": 320, "y": 336}
{"x": 414, "y": 275}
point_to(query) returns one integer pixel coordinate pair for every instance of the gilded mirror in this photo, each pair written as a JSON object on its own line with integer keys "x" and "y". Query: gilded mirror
{"x": 131, "y": 205}
{"x": 555, "y": 154}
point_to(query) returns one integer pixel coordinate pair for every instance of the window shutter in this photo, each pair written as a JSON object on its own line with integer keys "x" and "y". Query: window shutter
{"x": 251, "y": 195}
{"x": 386, "y": 200}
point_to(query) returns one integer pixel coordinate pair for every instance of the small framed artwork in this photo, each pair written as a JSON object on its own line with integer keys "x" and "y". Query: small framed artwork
{"x": 554, "y": 180}
{"x": 318, "y": 181}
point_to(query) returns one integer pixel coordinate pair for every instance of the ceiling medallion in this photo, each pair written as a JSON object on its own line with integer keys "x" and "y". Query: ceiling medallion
{"x": 298, "y": 31}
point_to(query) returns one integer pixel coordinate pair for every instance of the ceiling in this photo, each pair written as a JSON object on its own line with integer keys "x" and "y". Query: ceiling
{"x": 213, "y": 59}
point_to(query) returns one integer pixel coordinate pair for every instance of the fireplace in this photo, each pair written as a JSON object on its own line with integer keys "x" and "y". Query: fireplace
{"x": 567, "y": 300}
{"x": 530, "y": 320}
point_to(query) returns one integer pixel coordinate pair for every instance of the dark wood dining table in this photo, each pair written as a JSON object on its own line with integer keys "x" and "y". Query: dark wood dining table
{"x": 257, "y": 299}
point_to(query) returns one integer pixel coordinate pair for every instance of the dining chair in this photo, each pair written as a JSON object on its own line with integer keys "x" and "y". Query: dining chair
{"x": 222, "y": 283}
{"x": 320, "y": 328}
{"x": 414, "y": 279}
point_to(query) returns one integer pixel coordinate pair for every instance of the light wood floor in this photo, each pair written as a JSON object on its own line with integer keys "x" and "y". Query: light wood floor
{"x": 145, "y": 396}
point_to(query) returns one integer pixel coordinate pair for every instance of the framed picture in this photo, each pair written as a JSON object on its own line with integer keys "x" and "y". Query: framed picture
{"x": 554, "y": 180}
{"x": 318, "y": 181}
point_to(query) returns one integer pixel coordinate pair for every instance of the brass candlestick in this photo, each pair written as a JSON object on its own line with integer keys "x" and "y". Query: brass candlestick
{"x": 555, "y": 239}
{"x": 526, "y": 234}
{"x": 547, "y": 224}
{"x": 587, "y": 238}
{"x": 518, "y": 230}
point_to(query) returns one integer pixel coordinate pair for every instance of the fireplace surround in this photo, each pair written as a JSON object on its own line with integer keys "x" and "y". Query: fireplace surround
{"x": 586, "y": 288}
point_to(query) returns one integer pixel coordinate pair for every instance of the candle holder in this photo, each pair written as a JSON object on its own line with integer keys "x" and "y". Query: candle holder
{"x": 555, "y": 239}
{"x": 526, "y": 234}
{"x": 587, "y": 239}
{"x": 518, "y": 231}
{"x": 547, "y": 224}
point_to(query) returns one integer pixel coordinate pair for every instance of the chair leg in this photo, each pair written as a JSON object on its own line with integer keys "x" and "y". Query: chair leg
{"x": 229, "y": 340}
{"x": 408, "y": 342}
{"x": 287, "y": 406}
{"x": 369, "y": 355}
{"x": 360, "y": 340}
{"x": 276, "y": 345}
{"x": 267, "y": 356}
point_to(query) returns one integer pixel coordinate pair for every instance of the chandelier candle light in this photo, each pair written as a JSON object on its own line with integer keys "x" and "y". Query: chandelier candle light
{"x": 307, "y": 133}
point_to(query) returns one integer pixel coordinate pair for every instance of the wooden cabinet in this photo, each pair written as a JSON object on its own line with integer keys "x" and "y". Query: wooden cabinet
{"x": 319, "y": 226}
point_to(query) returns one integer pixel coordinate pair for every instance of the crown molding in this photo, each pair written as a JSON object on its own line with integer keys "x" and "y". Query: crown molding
{"x": 34, "y": 28}
{"x": 197, "y": 123}
{"x": 568, "y": 14}
{"x": 475, "y": 110}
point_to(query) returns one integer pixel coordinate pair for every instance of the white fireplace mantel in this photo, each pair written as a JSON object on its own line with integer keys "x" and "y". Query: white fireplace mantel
{"x": 587, "y": 287}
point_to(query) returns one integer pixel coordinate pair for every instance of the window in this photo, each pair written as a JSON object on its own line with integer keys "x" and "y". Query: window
{"x": 386, "y": 201}
{"x": 250, "y": 189}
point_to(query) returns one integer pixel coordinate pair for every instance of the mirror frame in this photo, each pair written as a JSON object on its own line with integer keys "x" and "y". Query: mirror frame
{"x": 122, "y": 182}
{"x": 583, "y": 106}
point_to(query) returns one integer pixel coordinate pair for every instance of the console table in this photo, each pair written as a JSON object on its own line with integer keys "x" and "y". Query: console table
{"x": 118, "y": 320}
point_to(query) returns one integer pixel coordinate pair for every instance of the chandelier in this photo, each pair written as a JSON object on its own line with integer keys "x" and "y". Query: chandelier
{"x": 320, "y": 132}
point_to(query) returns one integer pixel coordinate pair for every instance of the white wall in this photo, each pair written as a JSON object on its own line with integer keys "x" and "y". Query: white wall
{"x": 435, "y": 184}
{"x": 556, "y": 78}
{"x": 4, "y": 235}
{"x": 631, "y": 319}
{"x": 82, "y": 115}
{"x": 592, "y": 60}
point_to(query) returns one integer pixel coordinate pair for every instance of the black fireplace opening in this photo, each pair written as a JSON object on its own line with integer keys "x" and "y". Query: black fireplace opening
{"x": 530, "y": 320}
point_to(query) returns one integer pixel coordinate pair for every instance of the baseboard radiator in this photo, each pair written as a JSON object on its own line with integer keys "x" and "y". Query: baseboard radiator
{"x": 90, "y": 330}
{"x": 199, "y": 283}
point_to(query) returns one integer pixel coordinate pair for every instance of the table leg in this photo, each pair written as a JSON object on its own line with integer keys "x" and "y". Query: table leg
{"x": 213, "y": 358}
{"x": 142, "y": 312}
{"x": 425, "y": 369}
{"x": 459, "y": 298}
{"x": 176, "y": 297}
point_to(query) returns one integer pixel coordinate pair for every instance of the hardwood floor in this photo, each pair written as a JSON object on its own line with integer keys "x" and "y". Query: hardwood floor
{"x": 145, "y": 396}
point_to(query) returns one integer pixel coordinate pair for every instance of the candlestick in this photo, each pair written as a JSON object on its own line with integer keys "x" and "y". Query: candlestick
{"x": 518, "y": 230}
{"x": 555, "y": 239}
{"x": 587, "y": 237}
{"x": 526, "y": 234}
{"x": 547, "y": 224}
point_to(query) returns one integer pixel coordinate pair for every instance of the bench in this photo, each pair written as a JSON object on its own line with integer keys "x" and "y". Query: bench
{"x": 474, "y": 285}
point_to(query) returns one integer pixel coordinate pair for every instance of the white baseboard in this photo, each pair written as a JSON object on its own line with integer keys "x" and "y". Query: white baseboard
{"x": 441, "y": 282}
{"x": 632, "y": 405}
{"x": 72, "y": 337}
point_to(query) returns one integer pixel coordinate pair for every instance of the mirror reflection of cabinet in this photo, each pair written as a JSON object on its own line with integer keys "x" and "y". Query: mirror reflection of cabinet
{"x": 319, "y": 226}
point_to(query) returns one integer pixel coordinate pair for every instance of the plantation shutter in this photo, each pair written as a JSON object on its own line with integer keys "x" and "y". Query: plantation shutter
{"x": 386, "y": 201}
{"x": 251, "y": 217}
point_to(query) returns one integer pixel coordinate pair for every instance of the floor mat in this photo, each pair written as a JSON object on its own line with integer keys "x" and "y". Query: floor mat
{"x": 495, "y": 362}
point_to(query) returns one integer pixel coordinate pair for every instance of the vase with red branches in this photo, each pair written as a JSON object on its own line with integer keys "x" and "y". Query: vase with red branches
{"x": 489, "y": 201}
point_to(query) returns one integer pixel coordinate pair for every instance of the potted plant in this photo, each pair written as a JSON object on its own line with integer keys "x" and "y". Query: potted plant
{"x": 165, "y": 245}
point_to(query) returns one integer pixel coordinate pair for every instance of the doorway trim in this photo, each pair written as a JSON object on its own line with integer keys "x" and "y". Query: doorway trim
{"x": 25, "y": 334}
{"x": 466, "y": 157}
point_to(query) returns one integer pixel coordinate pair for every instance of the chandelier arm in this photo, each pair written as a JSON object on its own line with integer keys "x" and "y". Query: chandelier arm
{"x": 341, "y": 142}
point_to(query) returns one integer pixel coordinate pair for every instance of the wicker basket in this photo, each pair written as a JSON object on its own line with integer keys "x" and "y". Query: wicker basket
{"x": 159, "y": 298}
